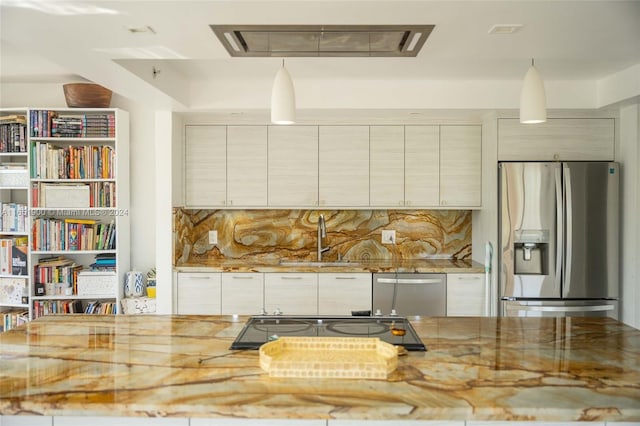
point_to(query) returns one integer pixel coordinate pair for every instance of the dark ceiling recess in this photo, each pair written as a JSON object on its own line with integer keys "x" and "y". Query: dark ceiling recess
{"x": 322, "y": 40}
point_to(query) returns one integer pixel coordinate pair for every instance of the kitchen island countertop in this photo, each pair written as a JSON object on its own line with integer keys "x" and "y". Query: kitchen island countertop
{"x": 543, "y": 369}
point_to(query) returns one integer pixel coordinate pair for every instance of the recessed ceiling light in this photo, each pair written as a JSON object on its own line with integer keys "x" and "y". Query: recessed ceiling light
{"x": 505, "y": 28}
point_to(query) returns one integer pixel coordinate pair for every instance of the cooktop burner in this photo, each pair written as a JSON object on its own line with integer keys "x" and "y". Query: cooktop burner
{"x": 392, "y": 329}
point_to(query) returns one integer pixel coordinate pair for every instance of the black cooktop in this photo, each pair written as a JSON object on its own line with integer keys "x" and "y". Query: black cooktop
{"x": 391, "y": 329}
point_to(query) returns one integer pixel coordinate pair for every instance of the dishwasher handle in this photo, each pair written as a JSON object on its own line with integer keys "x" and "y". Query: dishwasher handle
{"x": 409, "y": 280}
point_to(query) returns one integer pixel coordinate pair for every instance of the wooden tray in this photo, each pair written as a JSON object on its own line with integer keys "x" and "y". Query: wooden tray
{"x": 329, "y": 357}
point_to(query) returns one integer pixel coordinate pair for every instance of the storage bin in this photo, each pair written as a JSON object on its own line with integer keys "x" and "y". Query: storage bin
{"x": 14, "y": 178}
{"x": 99, "y": 284}
{"x": 66, "y": 196}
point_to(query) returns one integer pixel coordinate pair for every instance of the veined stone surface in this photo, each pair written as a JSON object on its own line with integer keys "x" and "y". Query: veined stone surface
{"x": 509, "y": 368}
{"x": 268, "y": 235}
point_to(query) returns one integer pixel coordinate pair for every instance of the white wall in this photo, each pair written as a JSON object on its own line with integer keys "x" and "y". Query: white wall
{"x": 628, "y": 154}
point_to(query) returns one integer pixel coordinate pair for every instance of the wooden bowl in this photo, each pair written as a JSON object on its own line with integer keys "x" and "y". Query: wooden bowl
{"x": 86, "y": 95}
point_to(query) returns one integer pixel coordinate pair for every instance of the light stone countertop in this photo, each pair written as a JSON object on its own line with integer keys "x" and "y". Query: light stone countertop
{"x": 445, "y": 266}
{"x": 534, "y": 369}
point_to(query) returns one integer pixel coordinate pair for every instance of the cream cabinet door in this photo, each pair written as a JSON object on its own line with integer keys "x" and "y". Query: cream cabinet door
{"x": 559, "y": 139}
{"x": 242, "y": 293}
{"x": 460, "y": 166}
{"x": 291, "y": 293}
{"x": 341, "y": 293}
{"x": 198, "y": 293}
{"x": 466, "y": 295}
{"x": 246, "y": 166}
{"x": 422, "y": 166}
{"x": 386, "y": 172}
{"x": 293, "y": 166}
{"x": 205, "y": 166}
{"x": 343, "y": 166}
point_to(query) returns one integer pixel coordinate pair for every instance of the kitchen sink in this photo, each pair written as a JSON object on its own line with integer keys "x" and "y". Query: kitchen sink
{"x": 317, "y": 264}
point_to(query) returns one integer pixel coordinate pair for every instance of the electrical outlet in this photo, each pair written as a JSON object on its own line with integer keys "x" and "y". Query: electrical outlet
{"x": 213, "y": 237}
{"x": 388, "y": 236}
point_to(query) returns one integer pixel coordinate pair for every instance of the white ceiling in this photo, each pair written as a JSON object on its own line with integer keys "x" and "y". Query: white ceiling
{"x": 52, "y": 41}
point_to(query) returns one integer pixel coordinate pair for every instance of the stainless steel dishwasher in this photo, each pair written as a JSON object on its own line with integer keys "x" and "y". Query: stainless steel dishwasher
{"x": 412, "y": 294}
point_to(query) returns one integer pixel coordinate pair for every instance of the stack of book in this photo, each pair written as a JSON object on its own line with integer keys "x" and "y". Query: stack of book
{"x": 104, "y": 262}
{"x": 13, "y": 133}
{"x": 56, "y": 276}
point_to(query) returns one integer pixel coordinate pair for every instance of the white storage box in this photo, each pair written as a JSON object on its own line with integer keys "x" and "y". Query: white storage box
{"x": 14, "y": 177}
{"x": 97, "y": 284}
{"x": 67, "y": 196}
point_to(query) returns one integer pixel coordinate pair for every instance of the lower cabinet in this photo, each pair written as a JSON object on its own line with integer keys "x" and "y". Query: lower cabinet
{"x": 198, "y": 293}
{"x": 242, "y": 293}
{"x": 339, "y": 294}
{"x": 466, "y": 295}
{"x": 291, "y": 293}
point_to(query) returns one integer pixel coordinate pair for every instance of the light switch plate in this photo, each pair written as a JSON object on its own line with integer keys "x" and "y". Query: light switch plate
{"x": 213, "y": 237}
{"x": 388, "y": 236}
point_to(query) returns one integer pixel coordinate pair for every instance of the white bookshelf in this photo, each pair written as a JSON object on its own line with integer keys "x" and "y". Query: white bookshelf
{"x": 116, "y": 210}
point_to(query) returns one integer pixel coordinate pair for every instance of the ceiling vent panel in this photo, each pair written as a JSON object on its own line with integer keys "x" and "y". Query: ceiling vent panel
{"x": 322, "y": 40}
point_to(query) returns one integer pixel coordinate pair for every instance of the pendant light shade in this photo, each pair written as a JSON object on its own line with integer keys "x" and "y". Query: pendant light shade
{"x": 533, "y": 102}
{"x": 283, "y": 98}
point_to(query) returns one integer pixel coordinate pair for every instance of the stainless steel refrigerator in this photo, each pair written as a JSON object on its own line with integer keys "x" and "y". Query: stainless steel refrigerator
{"x": 559, "y": 239}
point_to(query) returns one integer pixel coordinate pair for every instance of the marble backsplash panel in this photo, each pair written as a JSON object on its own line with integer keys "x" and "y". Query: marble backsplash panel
{"x": 273, "y": 235}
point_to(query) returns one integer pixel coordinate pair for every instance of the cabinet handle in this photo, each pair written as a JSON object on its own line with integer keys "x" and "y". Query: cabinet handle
{"x": 230, "y": 202}
{"x": 200, "y": 277}
{"x": 443, "y": 202}
{"x": 469, "y": 278}
{"x": 345, "y": 278}
{"x": 291, "y": 278}
{"x": 242, "y": 277}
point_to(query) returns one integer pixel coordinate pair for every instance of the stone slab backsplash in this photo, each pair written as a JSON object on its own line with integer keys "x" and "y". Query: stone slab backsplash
{"x": 273, "y": 235}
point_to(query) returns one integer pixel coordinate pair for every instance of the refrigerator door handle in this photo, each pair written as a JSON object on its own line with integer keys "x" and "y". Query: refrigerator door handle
{"x": 588, "y": 308}
{"x": 568, "y": 231}
{"x": 559, "y": 229}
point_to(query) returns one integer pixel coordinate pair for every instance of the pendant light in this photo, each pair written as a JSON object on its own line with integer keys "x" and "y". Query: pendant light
{"x": 283, "y": 98}
{"x": 533, "y": 102}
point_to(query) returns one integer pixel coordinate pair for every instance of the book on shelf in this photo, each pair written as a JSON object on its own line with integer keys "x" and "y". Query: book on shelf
{"x": 51, "y": 307}
{"x": 46, "y": 123}
{"x": 59, "y": 276}
{"x": 14, "y": 217}
{"x": 13, "y": 256}
{"x": 52, "y": 161}
{"x": 13, "y": 133}
{"x": 13, "y": 319}
{"x": 53, "y": 234}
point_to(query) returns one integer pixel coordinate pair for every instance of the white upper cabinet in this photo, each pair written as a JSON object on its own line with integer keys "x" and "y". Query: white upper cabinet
{"x": 422, "y": 166}
{"x": 205, "y": 171}
{"x": 247, "y": 166}
{"x": 344, "y": 166}
{"x": 293, "y": 166}
{"x": 460, "y": 166}
{"x": 386, "y": 172}
{"x": 559, "y": 139}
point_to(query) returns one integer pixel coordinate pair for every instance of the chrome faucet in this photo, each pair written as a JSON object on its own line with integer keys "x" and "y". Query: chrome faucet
{"x": 322, "y": 233}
